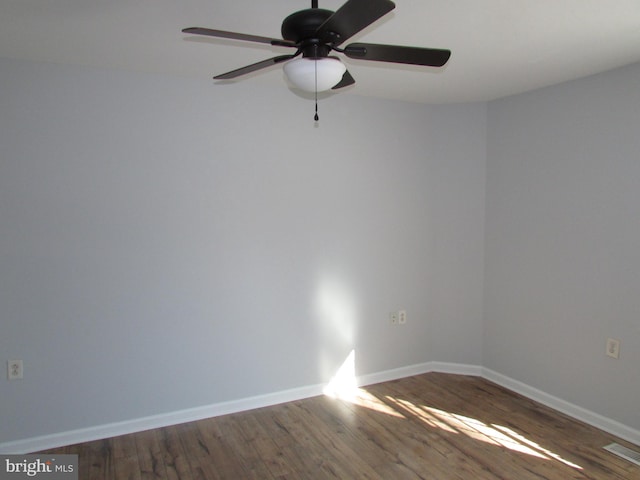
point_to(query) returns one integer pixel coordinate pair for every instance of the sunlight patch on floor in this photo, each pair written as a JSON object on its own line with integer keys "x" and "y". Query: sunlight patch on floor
{"x": 494, "y": 434}
{"x": 344, "y": 386}
{"x": 526, "y": 441}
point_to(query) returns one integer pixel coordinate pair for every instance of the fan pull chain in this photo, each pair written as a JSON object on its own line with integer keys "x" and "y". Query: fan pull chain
{"x": 316, "y": 117}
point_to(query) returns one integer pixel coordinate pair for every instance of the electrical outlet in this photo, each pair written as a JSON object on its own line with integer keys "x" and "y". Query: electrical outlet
{"x": 393, "y": 318}
{"x": 15, "y": 369}
{"x": 613, "y": 348}
{"x": 402, "y": 317}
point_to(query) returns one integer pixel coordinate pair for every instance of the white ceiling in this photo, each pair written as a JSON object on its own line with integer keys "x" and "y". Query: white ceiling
{"x": 499, "y": 47}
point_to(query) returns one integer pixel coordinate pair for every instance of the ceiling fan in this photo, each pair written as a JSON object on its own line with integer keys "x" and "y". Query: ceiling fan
{"x": 315, "y": 32}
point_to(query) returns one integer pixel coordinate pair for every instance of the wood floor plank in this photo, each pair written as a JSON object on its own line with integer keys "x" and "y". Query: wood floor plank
{"x": 128, "y": 468}
{"x": 260, "y": 439}
{"x": 150, "y": 456}
{"x": 220, "y": 446}
{"x": 123, "y": 446}
{"x": 525, "y": 419}
{"x": 347, "y": 426}
{"x": 339, "y": 448}
{"x": 302, "y": 442}
{"x": 466, "y": 445}
{"x": 100, "y": 460}
{"x": 432, "y": 426}
{"x": 413, "y": 449}
{"x": 172, "y": 452}
{"x": 273, "y": 441}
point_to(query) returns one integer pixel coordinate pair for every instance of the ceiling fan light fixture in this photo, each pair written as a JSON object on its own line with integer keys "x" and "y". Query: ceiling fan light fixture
{"x": 301, "y": 72}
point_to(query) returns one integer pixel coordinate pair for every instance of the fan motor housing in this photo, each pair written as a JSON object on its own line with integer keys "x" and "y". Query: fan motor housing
{"x": 302, "y": 25}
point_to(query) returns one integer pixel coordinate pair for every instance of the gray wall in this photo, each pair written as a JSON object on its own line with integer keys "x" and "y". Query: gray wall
{"x": 563, "y": 241}
{"x": 169, "y": 243}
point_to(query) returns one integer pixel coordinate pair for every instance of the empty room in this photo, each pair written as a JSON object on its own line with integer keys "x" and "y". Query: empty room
{"x": 389, "y": 240}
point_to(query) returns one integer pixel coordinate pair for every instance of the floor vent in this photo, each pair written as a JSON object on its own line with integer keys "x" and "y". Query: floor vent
{"x": 624, "y": 452}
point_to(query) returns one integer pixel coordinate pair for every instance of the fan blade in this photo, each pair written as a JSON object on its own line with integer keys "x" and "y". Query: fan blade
{"x": 352, "y": 17}
{"x": 238, "y": 36}
{"x": 253, "y": 67}
{"x": 347, "y": 80}
{"x": 430, "y": 57}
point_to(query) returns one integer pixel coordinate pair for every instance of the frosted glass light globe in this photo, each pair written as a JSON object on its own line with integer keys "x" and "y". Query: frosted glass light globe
{"x": 301, "y": 72}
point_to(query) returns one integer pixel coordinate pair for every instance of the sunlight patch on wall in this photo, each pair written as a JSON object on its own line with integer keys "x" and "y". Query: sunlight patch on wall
{"x": 336, "y": 314}
{"x": 336, "y": 309}
{"x": 344, "y": 386}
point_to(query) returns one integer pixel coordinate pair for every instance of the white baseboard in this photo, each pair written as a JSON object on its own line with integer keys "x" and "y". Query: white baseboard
{"x": 603, "y": 423}
{"x": 198, "y": 413}
{"x": 156, "y": 421}
{"x": 418, "y": 369}
{"x": 456, "y": 368}
{"x": 193, "y": 414}
{"x": 394, "y": 374}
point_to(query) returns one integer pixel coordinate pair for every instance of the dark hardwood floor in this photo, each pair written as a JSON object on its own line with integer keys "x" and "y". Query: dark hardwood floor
{"x": 431, "y": 426}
